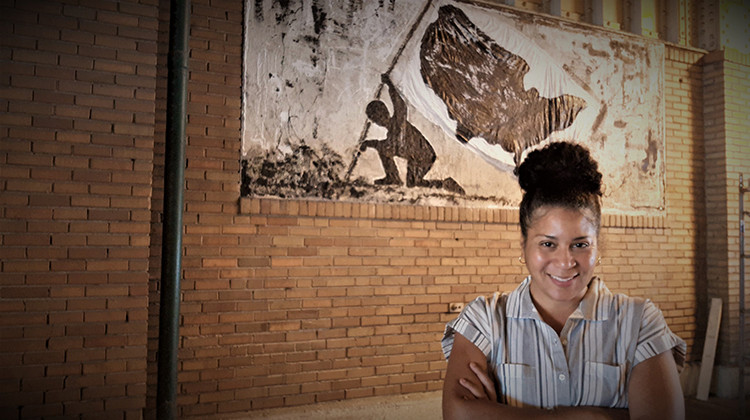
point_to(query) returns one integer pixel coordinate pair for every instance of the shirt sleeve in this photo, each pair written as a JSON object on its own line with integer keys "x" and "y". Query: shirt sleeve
{"x": 655, "y": 337}
{"x": 474, "y": 323}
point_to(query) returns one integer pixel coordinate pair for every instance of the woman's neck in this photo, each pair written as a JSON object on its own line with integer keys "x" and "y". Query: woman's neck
{"x": 554, "y": 315}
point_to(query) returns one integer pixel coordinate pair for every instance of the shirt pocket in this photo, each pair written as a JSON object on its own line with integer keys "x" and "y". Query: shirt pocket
{"x": 517, "y": 385}
{"x": 603, "y": 385}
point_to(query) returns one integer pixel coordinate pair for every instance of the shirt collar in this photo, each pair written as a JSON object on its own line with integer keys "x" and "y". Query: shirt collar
{"x": 593, "y": 306}
{"x": 520, "y": 304}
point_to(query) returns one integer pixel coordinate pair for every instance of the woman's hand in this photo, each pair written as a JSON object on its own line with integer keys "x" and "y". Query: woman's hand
{"x": 481, "y": 386}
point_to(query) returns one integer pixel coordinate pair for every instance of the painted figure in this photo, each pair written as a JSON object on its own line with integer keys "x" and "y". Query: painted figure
{"x": 405, "y": 141}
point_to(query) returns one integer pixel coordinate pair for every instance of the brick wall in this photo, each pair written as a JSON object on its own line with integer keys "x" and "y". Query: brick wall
{"x": 76, "y": 156}
{"x": 728, "y": 157}
{"x": 284, "y": 302}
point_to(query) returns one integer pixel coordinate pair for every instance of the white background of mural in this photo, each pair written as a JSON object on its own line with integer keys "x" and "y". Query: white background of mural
{"x": 311, "y": 69}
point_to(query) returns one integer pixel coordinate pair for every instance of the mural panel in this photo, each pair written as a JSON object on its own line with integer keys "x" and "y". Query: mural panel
{"x": 436, "y": 102}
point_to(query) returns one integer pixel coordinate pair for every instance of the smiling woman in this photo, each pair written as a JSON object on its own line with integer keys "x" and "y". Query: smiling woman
{"x": 561, "y": 345}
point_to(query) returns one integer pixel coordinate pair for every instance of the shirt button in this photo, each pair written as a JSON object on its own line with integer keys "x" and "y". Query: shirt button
{"x": 565, "y": 342}
{"x": 561, "y": 377}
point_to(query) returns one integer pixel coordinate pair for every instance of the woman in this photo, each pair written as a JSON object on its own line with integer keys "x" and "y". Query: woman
{"x": 561, "y": 345}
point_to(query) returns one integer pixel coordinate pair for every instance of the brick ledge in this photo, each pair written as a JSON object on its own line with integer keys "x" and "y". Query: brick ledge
{"x": 344, "y": 209}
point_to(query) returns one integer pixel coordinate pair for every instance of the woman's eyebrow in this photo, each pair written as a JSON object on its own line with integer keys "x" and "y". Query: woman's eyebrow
{"x": 545, "y": 236}
{"x": 579, "y": 238}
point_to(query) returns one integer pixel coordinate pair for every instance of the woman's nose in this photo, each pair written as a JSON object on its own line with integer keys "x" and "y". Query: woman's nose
{"x": 566, "y": 259}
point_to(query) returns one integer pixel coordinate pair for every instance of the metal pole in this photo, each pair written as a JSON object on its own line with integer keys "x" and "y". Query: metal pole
{"x": 174, "y": 185}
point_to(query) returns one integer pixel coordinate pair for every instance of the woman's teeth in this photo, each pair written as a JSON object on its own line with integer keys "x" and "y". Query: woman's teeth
{"x": 562, "y": 279}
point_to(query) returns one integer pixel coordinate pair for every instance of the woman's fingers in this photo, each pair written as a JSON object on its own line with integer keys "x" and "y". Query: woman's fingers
{"x": 485, "y": 380}
{"x": 476, "y": 389}
{"x": 484, "y": 388}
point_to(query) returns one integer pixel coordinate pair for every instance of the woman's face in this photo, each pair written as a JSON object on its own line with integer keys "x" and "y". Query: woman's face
{"x": 560, "y": 251}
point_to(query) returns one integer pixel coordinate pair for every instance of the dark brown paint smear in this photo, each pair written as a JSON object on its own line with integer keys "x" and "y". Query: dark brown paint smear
{"x": 481, "y": 83}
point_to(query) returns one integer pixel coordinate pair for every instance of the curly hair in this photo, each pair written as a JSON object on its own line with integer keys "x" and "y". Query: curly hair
{"x": 561, "y": 174}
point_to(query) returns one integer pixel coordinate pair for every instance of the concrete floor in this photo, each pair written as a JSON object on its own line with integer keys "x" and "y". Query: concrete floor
{"x": 416, "y": 406}
{"x": 426, "y": 405}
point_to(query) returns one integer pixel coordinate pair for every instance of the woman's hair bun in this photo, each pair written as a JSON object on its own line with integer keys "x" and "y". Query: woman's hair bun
{"x": 560, "y": 168}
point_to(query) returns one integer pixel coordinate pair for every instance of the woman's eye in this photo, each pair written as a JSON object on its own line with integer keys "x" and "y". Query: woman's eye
{"x": 581, "y": 245}
{"x": 547, "y": 244}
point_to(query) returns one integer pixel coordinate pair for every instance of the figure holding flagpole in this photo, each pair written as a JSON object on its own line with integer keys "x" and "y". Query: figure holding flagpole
{"x": 405, "y": 141}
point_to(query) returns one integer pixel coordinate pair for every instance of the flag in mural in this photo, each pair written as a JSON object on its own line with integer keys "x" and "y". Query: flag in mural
{"x": 438, "y": 102}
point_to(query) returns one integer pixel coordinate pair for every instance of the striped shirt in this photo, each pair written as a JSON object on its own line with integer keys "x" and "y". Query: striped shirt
{"x": 588, "y": 364}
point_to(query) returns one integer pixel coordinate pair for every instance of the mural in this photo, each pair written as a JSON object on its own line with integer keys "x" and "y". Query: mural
{"x": 437, "y": 102}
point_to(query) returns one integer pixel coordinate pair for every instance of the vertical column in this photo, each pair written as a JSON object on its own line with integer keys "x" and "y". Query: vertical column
{"x": 597, "y": 12}
{"x": 708, "y": 25}
{"x": 555, "y": 7}
{"x": 674, "y": 21}
{"x": 716, "y": 189}
{"x": 605, "y": 13}
{"x": 641, "y": 17}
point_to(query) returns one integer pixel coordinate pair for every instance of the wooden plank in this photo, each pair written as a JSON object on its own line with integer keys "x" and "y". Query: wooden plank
{"x": 709, "y": 349}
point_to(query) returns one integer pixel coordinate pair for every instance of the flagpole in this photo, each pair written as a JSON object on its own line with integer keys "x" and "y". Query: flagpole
{"x": 400, "y": 51}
